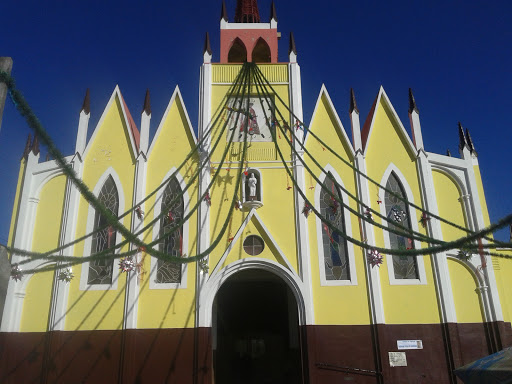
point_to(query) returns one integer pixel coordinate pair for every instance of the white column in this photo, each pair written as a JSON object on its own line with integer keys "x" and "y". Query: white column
{"x": 203, "y": 224}
{"x": 302, "y": 233}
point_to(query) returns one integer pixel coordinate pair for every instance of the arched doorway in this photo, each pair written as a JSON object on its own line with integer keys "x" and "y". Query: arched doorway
{"x": 256, "y": 331}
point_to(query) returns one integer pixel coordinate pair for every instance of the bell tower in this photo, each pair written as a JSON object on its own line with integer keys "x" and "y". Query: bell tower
{"x": 248, "y": 39}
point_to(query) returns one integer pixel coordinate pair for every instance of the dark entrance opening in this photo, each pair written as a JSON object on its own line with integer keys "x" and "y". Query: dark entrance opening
{"x": 256, "y": 331}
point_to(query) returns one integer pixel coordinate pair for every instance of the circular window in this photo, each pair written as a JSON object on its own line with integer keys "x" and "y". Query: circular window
{"x": 253, "y": 245}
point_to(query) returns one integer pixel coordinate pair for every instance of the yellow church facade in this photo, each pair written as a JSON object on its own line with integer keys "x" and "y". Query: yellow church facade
{"x": 280, "y": 296}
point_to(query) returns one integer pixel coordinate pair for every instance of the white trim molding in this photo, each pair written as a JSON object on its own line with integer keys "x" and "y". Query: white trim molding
{"x": 348, "y": 230}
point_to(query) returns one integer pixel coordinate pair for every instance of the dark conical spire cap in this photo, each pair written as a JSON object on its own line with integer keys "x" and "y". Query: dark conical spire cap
{"x": 207, "y": 45}
{"x": 273, "y": 13}
{"x": 448, "y": 153}
{"x": 412, "y": 103}
{"x": 470, "y": 142}
{"x": 147, "y": 104}
{"x": 35, "y": 145}
{"x": 86, "y": 106}
{"x": 462, "y": 137}
{"x": 353, "y": 104}
{"x": 292, "y": 47}
{"x": 28, "y": 144}
{"x": 224, "y": 11}
{"x": 247, "y": 11}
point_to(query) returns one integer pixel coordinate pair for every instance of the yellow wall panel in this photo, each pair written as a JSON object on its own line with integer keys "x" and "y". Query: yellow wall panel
{"x": 36, "y": 305}
{"x": 465, "y": 294}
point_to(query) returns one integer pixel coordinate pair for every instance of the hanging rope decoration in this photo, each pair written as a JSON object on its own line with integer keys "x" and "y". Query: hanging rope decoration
{"x": 116, "y": 225}
{"x": 472, "y": 235}
{"x": 401, "y": 252}
{"x": 374, "y": 258}
{"x": 66, "y": 275}
{"x": 71, "y": 260}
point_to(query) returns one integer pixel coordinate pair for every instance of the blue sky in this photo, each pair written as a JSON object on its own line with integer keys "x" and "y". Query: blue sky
{"x": 455, "y": 55}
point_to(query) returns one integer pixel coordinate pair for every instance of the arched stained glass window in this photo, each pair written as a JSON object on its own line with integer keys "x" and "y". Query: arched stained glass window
{"x": 100, "y": 271}
{"x": 335, "y": 246}
{"x": 171, "y": 233}
{"x": 405, "y": 267}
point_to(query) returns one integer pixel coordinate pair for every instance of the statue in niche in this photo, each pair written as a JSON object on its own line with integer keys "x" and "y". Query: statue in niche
{"x": 252, "y": 187}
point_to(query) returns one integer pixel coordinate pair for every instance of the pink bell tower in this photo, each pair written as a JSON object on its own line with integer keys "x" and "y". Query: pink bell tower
{"x": 248, "y": 39}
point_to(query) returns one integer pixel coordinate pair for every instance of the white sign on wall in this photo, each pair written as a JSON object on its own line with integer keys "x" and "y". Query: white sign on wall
{"x": 397, "y": 359}
{"x": 409, "y": 344}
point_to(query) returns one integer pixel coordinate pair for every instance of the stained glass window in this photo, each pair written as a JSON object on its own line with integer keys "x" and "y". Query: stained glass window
{"x": 335, "y": 246}
{"x": 171, "y": 233}
{"x": 100, "y": 271}
{"x": 397, "y": 211}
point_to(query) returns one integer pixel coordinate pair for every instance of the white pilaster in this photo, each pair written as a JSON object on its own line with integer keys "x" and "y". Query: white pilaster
{"x": 372, "y": 273}
{"x": 302, "y": 233}
{"x": 203, "y": 224}
{"x": 60, "y": 294}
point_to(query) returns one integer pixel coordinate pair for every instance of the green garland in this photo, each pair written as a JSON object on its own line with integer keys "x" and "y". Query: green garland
{"x": 108, "y": 251}
{"x": 464, "y": 241}
{"x": 430, "y": 214}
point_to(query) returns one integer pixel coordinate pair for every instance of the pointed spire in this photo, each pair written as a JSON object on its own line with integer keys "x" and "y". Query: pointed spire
{"x": 273, "y": 13}
{"x": 86, "y": 106}
{"x": 247, "y": 11}
{"x": 470, "y": 142}
{"x": 462, "y": 137}
{"x": 353, "y": 104}
{"x": 448, "y": 153}
{"x": 292, "y": 47}
{"x": 224, "y": 12}
{"x": 412, "y": 103}
{"x": 207, "y": 46}
{"x": 35, "y": 145}
{"x": 28, "y": 144}
{"x": 510, "y": 233}
{"x": 147, "y": 104}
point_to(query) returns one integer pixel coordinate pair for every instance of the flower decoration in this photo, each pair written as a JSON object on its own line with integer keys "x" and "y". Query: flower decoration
{"x": 375, "y": 258}
{"x": 139, "y": 212}
{"x": 368, "y": 214}
{"x": 424, "y": 219}
{"x": 16, "y": 272}
{"x": 208, "y": 199}
{"x": 127, "y": 264}
{"x": 238, "y": 205}
{"x": 307, "y": 209}
{"x": 66, "y": 275}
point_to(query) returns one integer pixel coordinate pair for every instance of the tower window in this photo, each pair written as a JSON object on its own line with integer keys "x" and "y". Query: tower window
{"x": 238, "y": 52}
{"x": 261, "y": 52}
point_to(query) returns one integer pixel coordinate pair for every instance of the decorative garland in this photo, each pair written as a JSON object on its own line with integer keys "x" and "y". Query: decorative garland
{"x": 431, "y": 215}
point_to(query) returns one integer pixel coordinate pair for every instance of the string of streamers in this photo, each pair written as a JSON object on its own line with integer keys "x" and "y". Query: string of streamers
{"x": 467, "y": 241}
